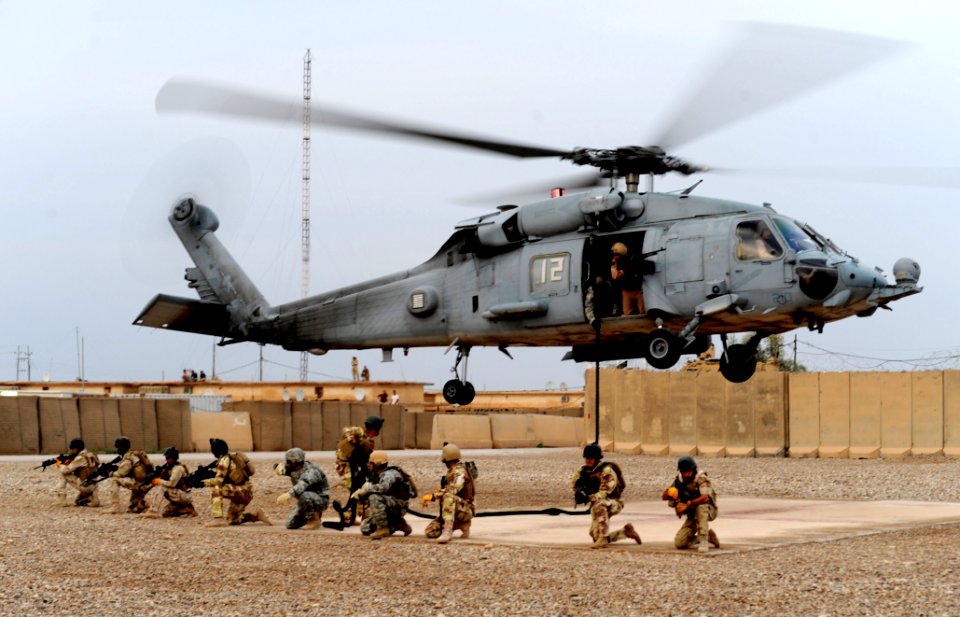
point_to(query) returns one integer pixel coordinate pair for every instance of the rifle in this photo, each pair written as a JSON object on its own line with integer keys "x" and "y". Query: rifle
{"x": 102, "y": 472}
{"x": 153, "y": 474}
{"x": 204, "y": 472}
{"x": 63, "y": 459}
{"x": 685, "y": 495}
{"x": 348, "y": 511}
{"x": 585, "y": 486}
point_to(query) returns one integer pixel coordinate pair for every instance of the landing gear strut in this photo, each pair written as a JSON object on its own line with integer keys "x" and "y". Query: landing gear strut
{"x": 739, "y": 361}
{"x": 459, "y": 391}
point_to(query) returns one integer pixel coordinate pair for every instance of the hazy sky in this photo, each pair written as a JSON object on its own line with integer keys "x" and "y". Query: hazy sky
{"x": 88, "y": 169}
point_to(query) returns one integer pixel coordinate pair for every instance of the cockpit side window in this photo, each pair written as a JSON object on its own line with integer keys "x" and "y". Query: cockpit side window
{"x": 798, "y": 239}
{"x": 756, "y": 241}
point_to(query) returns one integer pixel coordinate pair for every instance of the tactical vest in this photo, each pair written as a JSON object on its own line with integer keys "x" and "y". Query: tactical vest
{"x": 142, "y": 467}
{"x": 238, "y": 469}
{"x": 469, "y": 490}
{"x": 592, "y": 479}
{"x": 687, "y": 492}
{"x": 404, "y": 490}
{"x": 93, "y": 461}
{"x": 167, "y": 473}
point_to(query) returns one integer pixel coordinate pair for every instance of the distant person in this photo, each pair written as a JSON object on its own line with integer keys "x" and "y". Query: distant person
{"x": 394, "y": 398}
{"x": 310, "y": 490}
{"x": 693, "y": 497}
{"x": 74, "y": 470}
{"x": 365, "y": 374}
{"x": 203, "y": 376}
{"x": 627, "y": 271}
{"x": 233, "y": 483}
{"x": 456, "y": 496}
{"x": 382, "y": 397}
{"x": 193, "y": 375}
{"x": 355, "y": 368}
{"x": 601, "y": 485}
{"x": 387, "y": 491}
{"x": 186, "y": 375}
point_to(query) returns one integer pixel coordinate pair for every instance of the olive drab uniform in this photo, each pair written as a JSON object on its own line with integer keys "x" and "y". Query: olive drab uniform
{"x": 605, "y": 502}
{"x": 131, "y": 472}
{"x": 695, "y": 530}
{"x": 176, "y": 491}
{"x": 387, "y": 498}
{"x": 74, "y": 473}
{"x": 312, "y": 492}
{"x": 233, "y": 484}
{"x": 353, "y": 453}
{"x": 456, "y": 502}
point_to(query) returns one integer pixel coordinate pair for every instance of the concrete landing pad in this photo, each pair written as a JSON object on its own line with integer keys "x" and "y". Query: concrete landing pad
{"x": 744, "y": 523}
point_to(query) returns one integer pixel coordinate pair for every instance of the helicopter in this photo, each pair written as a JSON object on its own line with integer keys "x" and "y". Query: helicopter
{"x": 613, "y": 272}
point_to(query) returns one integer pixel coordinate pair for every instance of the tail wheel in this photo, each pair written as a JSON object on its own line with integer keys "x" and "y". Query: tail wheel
{"x": 662, "y": 349}
{"x": 738, "y": 363}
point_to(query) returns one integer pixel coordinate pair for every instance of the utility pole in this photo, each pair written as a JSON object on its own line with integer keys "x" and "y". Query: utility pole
{"x": 23, "y": 358}
{"x": 305, "y": 200}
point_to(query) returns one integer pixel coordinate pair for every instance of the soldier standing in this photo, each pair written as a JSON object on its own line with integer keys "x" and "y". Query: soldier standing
{"x": 692, "y": 495}
{"x": 353, "y": 453}
{"x": 74, "y": 472}
{"x": 387, "y": 493}
{"x": 131, "y": 473}
{"x": 173, "y": 479}
{"x": 310, "y": 489}
{"x": 601, "y": 485}
{"x": 232, "y": 483}
{"x": 456, "y": 497}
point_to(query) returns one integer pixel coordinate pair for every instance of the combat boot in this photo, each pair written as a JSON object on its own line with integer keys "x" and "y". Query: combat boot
{"x": 713, "y": 539}
{"x": 217, "y": 522}
{"x": 146, "y": 514}
{"x": 464, "y": 530}
{"x": 631, "y": 533}
{"x": 114, "y": 508}
{"x": 447, "y": 534}
{"x": 704, "y": 545}
{"x": 601, "y": 542}
{"x": 381, "y": 532}
{"x": 314, "y": 521}
{"x": 94, "y": 500}
{"x": 260, "y": 515}
{"x": 405, "y": 528}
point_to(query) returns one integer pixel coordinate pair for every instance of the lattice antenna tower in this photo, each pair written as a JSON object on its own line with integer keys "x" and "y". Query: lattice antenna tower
{"x": 305, "y": 200}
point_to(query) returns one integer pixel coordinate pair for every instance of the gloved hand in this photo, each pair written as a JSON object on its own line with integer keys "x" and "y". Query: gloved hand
{"x": 155, "y": 482}
{"x": 425, "y": 499}
{"x": 681, "y": 507}
{"x": 672, "y": 493}
{"x": 280, "y": 469}
{"x": 283, "y": 499}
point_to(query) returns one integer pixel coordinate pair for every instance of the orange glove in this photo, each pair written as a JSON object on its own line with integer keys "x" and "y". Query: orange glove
{"x": 155, "y": 482}
{"x": 425, "y": 499}
{"x": 58, "y": 462}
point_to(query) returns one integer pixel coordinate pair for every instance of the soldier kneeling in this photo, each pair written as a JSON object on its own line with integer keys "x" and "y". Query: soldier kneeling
{"x": 692, "y": 495}
{"x": 310, "y": 489}
{"x": 387, "y": 493}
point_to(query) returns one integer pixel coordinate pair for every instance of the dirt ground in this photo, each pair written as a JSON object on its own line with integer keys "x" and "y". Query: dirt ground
{"x": 67, "y": 561}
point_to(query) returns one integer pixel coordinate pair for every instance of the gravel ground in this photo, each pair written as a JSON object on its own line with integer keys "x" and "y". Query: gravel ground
{"x": 65, "y": 561}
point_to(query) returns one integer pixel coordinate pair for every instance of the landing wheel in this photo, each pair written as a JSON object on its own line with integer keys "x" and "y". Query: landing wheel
{"x": 738, "y": 363}
{"x": 458, "y": 392}
{"x": 662, "y": 349}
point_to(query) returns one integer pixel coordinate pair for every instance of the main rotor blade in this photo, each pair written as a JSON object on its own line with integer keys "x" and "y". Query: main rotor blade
{"x": 769, "y": 64}
{"x": 516, "y": 194}
{"x": 183, "y": 95}
{"x": 929, "y": 177}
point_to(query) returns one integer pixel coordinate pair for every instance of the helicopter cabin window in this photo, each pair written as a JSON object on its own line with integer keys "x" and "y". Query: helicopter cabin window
{"x": 550, "y": 275}
{"x": 756, "y": 241}
{"x": 796, "y": 237}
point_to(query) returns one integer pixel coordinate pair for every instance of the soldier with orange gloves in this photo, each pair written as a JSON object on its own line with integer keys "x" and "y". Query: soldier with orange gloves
{"x": 173, "y": 478}
{"x": 692, "y": 496}
{"x": 456, "y": 497}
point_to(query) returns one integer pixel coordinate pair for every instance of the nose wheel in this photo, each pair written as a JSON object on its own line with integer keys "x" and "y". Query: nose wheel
{"x": 459, "y": 391}
{"x": 739, "y": 361}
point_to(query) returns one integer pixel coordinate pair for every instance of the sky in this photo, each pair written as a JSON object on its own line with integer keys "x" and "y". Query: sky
{"x": 89, "y": 169}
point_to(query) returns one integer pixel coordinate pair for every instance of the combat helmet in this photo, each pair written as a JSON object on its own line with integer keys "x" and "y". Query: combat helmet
{"x": 172, "y": 452}
{"x": 686, "y": 463}
{"x": 378, "y": 458}
{"x": 76, "y": 444}
{"x": 294, "y": 457}
{"x": 593, "y": 450}
{"x": 218, "y": 447}
{"x": 122, "y": 444}
{"x": 450, "y": 453}
{"x": 374, "y": 423}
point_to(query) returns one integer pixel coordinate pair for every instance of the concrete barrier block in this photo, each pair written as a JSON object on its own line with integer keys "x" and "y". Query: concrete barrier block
{"x": 683, "y": 412}
{"x": 770, "y": 413}
{"x": 554, "y": 431}
{"x": 711, "y": 451}
{"x": 392, "y": 434}
{"x": 804, "y": 418}
{"x": 409, "y": 429}
{"x": 463, "y": 430}
{"x": 896, "y": 431}
{"x": 425, "y": 430}
{"x": 59, "y": 423}
{"x": 270, "y": 423}
{"x": 834, "y": 415}
{"x": 711, "y": 410}
{"x": 628, "y": 424}
{"x": 231, "y": 426}
{"x": 19, "y": 425}
{"x": 739, "y": 423}
{"x": 306, "y": 425}
{"x": 175, "y": 426}
{"x": 865, "y": 404}
{"x": 951, "y": 413}
{"x": 927, "y": 409}
{"x": 512, "y": 431}
{"x": 336, "y": 417}
{"x": 656, "y": 416}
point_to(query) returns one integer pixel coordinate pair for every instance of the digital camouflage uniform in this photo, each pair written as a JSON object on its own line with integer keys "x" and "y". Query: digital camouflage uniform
{"x": 387, "y": 498}
{"x": 74, "y": 473}
{"x": 232, "y": 483}
{"x": 353, "y": 453}
{"x": 176, "y": 492}
{"x": 606, "y": 502}
{"x": 131, "y": 472}
{"x": 312, "y": 492}
{"x": 695, "y": 530}
{"x": 456, "y": 501}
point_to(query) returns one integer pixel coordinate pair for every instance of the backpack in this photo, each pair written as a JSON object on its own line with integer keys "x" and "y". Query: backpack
{"x": 405, "y": 490}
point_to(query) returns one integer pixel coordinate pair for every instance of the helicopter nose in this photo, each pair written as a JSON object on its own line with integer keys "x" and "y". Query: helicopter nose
{"x": 854, "y": 274}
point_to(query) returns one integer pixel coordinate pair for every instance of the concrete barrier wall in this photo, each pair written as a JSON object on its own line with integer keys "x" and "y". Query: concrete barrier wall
{"x": 174, "y": 425}
{"x": 465, "y": 431}
{"x": 19, "y": 425}
{"x": 231, "y": 426}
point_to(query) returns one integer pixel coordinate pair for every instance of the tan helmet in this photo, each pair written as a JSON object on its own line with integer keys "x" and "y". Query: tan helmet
{"x": 378, "y": 457}
{"x": 450, "y": 453}
{"x": 619, "y": 248}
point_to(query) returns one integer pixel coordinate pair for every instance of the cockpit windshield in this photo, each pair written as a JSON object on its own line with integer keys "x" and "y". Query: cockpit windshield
{"x": 798, "y": 239}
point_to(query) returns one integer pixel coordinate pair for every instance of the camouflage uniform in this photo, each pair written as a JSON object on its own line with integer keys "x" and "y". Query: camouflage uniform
{"x": 175, "y": 491}
{"x": 312, "y": 492}
{"x": 456, "y": 501}
{"x": 386, "y": 502}
{"x": 353, "y": 453}
{"x": 232, "y": 483}
{"x": 695, "y": 530}
{"x": 131, "y": 471}
{"x": 606, "y": 502}
{"x": 74, "y": 473}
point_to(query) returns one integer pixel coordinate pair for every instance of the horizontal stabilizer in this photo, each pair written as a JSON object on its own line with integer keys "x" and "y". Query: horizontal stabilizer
{"x": 185, "y": 315}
